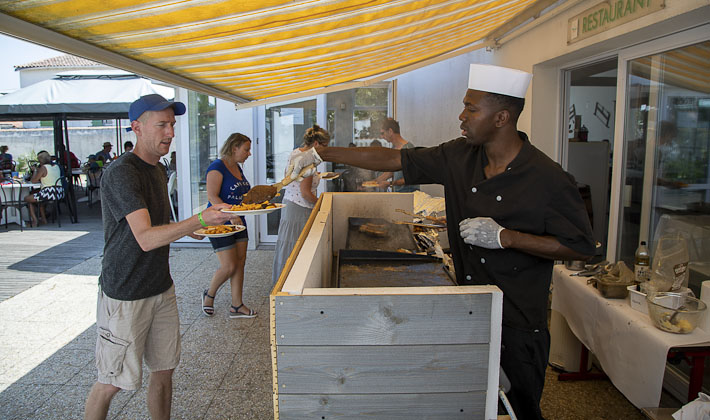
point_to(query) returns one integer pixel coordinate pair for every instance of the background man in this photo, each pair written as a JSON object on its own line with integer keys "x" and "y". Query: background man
{"x": 105, "y": 152}
{"x": 511, "y": 211}
{"x": 137, "y": 314}
{"x": 127, "y": 146}
{"x": 390, "y": 132}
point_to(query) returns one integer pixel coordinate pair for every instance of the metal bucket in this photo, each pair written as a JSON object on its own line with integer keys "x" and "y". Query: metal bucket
{"x": 575, "y": 265}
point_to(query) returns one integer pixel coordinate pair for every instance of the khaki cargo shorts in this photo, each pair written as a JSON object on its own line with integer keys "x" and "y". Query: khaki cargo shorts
{"x": 129, "y": 331}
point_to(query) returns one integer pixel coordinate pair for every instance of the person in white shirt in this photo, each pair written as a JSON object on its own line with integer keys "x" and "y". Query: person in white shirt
{"x": 299, "y": 197}
{"x": 46, "y": 174}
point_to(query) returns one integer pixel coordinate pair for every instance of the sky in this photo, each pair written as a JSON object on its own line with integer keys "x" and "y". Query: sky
{"x": 16, "y": 52}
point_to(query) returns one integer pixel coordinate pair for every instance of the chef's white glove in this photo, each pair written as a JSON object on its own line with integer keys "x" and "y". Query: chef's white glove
{"x": 481, "y": 231}
{"x": 302, "y": 160}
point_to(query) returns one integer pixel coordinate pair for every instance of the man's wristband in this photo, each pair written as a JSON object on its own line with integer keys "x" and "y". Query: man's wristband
{"x": 202, "y": 221}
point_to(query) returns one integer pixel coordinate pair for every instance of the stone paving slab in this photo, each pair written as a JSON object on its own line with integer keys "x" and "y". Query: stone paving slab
{"x": 47, "y": 340}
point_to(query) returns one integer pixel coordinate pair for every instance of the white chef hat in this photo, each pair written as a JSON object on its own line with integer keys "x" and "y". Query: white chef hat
{"x": 496, "y": 79}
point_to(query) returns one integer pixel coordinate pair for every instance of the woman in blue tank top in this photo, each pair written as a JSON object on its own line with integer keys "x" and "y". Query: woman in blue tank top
{"x": 226, "y": 183}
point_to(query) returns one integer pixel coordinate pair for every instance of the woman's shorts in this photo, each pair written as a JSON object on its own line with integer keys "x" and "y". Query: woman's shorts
{"x": 228, "y": 242}
{"x": 49, "y": 194}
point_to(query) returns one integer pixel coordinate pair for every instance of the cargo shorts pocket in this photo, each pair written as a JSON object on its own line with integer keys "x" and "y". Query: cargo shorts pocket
{"x": 111, "y": 353}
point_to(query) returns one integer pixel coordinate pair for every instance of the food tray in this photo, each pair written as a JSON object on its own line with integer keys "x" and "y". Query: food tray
{"x": 361, "y": 268}
{"x": 279, "y": 206}
{"x": 396, "y": 236}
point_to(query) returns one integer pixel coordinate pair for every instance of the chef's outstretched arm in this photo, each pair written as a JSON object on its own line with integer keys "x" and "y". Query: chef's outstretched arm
{"x": 372, "y": 158}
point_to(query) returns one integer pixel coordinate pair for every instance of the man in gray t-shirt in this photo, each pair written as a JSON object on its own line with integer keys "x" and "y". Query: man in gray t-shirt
{"x": 136, "y": 315}
{"x": 390, "y": 132}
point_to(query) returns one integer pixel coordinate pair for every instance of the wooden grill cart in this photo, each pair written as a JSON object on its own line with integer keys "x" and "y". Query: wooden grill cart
{"x": 429, "y": 352}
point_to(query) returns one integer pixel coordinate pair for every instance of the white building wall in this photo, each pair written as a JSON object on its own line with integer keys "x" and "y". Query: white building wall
{"x": 429, "y": 99}
{"x": 585, "y": 99}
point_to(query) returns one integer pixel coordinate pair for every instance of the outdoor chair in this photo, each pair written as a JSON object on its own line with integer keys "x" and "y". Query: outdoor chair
{"x": 8, "y": 165}
{"x": 93, "y": 184}
{"x": 12, "y": 198}
{"x": 76, "y": 178}
{"x": 63, "y": 197}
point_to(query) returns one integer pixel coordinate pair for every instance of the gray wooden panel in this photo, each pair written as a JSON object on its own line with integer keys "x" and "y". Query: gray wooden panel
{"x": 379, "y": 369}
{"x": 447, "y": 406}
{"x": 383, "y": 319}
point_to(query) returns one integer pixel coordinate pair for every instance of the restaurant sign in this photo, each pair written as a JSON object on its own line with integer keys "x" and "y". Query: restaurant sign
{"x": 607, "y": 15}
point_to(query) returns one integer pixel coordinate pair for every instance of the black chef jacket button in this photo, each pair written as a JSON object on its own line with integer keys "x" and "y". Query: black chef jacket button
{"x": 468, "y": 277}
{"x": 515, "y": 268}
{"x": 470, "y": 247}
{"x": 474, "y": 189}
{"x": 483, "y": 260}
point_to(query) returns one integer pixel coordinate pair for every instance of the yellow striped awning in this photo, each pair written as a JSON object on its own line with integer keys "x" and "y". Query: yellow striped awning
{"x": 247, "y": 50}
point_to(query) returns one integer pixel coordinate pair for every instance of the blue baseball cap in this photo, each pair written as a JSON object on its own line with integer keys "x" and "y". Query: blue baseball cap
{"x": 152, "y": 102}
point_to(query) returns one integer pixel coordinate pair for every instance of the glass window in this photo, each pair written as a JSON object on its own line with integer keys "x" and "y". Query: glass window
{"x": 666, "y": 141}
{"x": 203, "y": 144}
{"x": 354, "y": 116}
{"x": 370, "y": 109}
{"x": 285, "y": 127}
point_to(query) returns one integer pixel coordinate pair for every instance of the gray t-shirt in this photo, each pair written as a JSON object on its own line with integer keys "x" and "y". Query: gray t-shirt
{"x": 127, "y": 272}
{"x": 399, "y": 175}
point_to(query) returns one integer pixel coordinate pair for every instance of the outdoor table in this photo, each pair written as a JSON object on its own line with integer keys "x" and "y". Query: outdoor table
{"x": 13, "y": 215}
{"x": 631, "y": 350}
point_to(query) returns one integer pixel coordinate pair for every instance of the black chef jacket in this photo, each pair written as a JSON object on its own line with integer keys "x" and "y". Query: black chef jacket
{"x": 534, "y": 195}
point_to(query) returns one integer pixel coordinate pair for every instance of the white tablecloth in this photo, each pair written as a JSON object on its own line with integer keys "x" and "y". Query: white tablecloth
{"x": 631, "y": 350}
{"x": 13, "y": 215}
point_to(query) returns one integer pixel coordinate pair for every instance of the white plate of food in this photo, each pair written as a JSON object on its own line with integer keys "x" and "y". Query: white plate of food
{"x": 253, "y": 209}
{"x": 219, "y": 231}
{"x": 327, "y": 176}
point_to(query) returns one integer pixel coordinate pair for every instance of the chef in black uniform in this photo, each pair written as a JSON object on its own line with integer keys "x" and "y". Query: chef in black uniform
{"x": 513, "y": 209}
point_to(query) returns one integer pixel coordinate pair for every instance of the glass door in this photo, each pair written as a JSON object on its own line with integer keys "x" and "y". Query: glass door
{"x": 283, "y": 127}
{"x": 590, "y": 92}
{"x": 666, "y": 182}
{"x": 201, "y": 111}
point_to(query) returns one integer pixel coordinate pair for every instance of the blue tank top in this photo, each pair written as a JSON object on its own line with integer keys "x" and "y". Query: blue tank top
{"x": 233, "y": 189}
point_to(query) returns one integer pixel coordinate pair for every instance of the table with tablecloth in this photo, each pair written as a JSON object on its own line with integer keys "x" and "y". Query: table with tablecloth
{"x": 12, "y": 214}
{"x": 631, "y": 350}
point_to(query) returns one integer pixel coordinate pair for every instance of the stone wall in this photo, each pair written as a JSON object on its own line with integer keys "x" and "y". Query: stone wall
{"x": 83, "y": 141}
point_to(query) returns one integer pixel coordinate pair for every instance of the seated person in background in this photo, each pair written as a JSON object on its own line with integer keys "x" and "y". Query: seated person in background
{"x": 92, "y": 165}
{"x": 105, "y": 152}
{"x": 47, "y": 174}
{"x": 74, "y": 161}
{"x": 127, "y": 146}
{"x": 172, "y": 166}
{"x": 5, "y": 159}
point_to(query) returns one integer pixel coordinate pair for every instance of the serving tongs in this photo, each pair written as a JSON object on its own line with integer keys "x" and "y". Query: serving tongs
{"x": 600, "y": 268}
{"x": 437, "y": 222}
{"x": 260, "y": 193}
{"x": 423, "y": 225}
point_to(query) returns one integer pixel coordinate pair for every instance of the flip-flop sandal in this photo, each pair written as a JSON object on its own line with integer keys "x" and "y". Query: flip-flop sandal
{"x": 207, "y": 310}
{"x": 237, "y": 314}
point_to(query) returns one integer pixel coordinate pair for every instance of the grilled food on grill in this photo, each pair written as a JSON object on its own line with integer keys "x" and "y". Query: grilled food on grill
{"x": 374, "y": 229}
